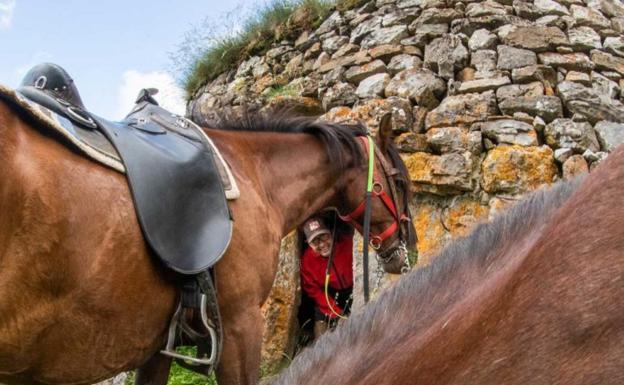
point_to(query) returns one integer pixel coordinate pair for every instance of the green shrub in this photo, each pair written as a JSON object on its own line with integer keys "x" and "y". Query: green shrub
{"x": 279, "y": 20}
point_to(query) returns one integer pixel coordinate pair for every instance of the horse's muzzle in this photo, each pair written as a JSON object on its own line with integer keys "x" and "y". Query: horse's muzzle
{"x": 394, "y": 259}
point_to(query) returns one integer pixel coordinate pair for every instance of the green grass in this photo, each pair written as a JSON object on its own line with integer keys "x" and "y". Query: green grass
{"x": 276, "y": 21}
{"x": 278, "y": 91}
{"x": 412, "y": 257}
{"x": 181, "y": 376}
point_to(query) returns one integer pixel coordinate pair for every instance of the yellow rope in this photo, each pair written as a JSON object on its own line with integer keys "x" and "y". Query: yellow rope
{"x": 327, "y": 298}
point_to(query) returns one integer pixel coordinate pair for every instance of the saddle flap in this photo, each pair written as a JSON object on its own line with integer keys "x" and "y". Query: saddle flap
{"x": 176, "y": 188}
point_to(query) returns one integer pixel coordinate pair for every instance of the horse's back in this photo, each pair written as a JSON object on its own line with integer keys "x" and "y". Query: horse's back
{"x": 77, "y": 281}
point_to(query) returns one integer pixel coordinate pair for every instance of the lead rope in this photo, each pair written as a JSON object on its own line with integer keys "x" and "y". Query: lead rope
{"x": 367, "y": 216}
{"x": 365, "y": 232}
{"x": 328, "y": 271}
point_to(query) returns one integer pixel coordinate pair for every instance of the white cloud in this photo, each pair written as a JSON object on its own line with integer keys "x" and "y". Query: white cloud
{"x": 170, "y": 96}
{"x": 6, "y": 13}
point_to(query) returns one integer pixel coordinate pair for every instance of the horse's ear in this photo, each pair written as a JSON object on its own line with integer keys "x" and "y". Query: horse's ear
{"x": 384, "y": 135}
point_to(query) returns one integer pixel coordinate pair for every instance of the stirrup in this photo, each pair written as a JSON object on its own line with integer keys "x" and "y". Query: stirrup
{"x": 199, "y": 362}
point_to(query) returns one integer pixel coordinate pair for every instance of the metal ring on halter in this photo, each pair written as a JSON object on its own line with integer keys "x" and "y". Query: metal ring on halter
{"x": 41, "y": 82}
{"x": 377, "y": 187}
{"x": 375, "y": 242}
{"x": 75, "y": 114}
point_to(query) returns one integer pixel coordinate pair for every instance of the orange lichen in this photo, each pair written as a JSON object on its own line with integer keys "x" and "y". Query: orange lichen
{"x": 431, "y": 233}
{"x": 463, "y": 214}
{"x": 517, "y": 169}
{"x": 419, "y": 166}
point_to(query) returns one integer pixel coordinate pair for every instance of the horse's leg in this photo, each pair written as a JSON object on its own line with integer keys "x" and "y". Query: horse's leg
{"x": 242, "y": 343}
{"x": 155, "y": 371}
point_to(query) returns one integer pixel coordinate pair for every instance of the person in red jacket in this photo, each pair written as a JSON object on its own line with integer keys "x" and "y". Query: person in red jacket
{"x": 328, "y": 307}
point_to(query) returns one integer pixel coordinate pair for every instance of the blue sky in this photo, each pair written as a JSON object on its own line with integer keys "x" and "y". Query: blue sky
{"x": 111, "y": 48}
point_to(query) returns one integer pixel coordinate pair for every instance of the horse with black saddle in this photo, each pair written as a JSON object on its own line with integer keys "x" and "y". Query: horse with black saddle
{"x": 111, "y": 233}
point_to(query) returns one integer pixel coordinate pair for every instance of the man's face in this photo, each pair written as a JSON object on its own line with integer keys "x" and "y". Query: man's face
{"x": 322, "y": 244}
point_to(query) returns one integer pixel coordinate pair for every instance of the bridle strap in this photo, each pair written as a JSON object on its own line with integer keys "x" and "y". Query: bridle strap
{"x": 385, "y": 198}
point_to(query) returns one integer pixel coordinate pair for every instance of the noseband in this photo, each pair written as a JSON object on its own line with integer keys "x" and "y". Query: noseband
{"x": 390, "y": 203}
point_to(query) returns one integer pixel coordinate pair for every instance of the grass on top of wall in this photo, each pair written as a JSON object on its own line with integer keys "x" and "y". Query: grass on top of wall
{"x": 278, "y": 20}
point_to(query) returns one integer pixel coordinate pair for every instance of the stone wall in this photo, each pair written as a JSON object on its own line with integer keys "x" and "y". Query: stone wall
{"x": 490, "y": 99}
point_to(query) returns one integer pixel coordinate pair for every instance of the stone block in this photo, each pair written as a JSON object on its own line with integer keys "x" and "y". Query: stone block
{"x": 512, "y": 91}
{"x": 463, "y": 110}
{"x": 482, "y": 39}
{"x": 454, "y": 139}
{"x": 574, "y": 166}
{"x": 589, "y": 103}
{"x": 610, "y": 134}
{"x": 410, "y": 142}
{"x": 356, "y": 74}
{"x": 566, "y": 133}
{"x": 536, "y": 38}
{"x": 607, "y": 61}
{"x": 420, "y": 85}
{"x": 546, "y": 107}
{"x": 517, "y": 169}
{"x": 508, "y": 131}
{"x": 510, "y": 57}
{"x": 373, "y": 86}
{"x": 571, "y": 61}
{"x": 441, "y": 174}
{"x": 445, "y": 55}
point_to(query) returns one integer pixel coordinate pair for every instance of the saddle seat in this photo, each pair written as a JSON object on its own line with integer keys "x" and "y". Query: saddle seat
{"x": 169, "y": 163}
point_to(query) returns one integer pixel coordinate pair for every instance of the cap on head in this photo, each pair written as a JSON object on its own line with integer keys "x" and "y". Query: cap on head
{"x": 314, "y": 227}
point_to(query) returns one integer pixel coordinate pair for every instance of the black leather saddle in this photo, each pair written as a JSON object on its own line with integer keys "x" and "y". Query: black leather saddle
{"x": 176, "y": 187}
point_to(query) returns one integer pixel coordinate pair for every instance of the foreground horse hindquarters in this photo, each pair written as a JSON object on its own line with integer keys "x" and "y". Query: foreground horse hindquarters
{"x": 81, "y": 299}
{"x": 536, "y": 297}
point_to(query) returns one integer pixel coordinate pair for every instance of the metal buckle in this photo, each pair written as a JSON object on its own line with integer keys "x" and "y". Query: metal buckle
{"x": 375, "y": 242}
{"x": 76, "y": 116}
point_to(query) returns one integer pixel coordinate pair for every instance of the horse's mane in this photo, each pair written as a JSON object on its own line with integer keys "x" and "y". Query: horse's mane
{"x": 335, "y": 137}
{"x": 420, "y": 297}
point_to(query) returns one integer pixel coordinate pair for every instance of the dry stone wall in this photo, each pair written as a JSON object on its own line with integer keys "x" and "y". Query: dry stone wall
{"x": 490, "y": 99}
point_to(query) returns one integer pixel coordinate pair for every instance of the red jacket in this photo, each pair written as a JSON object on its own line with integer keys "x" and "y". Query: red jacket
{"x": 313, "y": 267}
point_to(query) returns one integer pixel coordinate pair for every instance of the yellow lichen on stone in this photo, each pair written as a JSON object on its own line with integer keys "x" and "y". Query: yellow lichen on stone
{"x": 463, "y": 214}
{"x": 419, "y": 166}
{"x": 280, "y": 309}
{"x": 517, "y": 169}
{"x": 263, "y": 83}
{"x": 432, "y": 236}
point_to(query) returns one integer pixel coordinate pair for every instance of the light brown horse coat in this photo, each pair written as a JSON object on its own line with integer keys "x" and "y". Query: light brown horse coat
{"x": 81, "y": 299}
{"x": 536, "y": 297}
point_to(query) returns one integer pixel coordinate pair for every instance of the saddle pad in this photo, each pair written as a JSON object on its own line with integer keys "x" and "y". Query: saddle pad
{"x": 96, "y": 146}
{"x": 178, "y": 195}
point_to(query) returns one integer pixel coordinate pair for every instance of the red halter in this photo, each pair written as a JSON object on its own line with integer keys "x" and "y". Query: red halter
{"x": 378, "y": 191}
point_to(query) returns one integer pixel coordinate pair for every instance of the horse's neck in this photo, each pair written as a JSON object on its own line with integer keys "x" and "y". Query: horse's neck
{"x": 293, "y": 171}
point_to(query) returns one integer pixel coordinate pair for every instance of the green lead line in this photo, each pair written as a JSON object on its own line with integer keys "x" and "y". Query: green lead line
{"x": 367, "y": 217}
{"x": 371, "y": 163}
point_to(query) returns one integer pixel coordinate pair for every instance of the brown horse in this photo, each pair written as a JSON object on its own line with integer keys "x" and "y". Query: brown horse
{"x": 536, "y": 297}
{"x": 81, "y": 298}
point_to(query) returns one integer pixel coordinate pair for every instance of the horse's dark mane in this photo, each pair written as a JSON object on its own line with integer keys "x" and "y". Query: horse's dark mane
{"x": 335, "y": 137}
{"x": 422, "y": 296}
